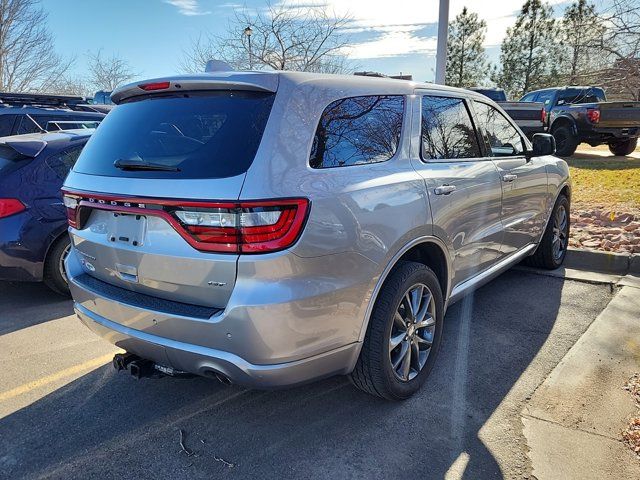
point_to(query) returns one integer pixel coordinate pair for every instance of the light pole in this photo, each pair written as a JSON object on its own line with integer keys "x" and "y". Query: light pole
{"x": 443, "y": 31}
{"x": 248, "y": 32}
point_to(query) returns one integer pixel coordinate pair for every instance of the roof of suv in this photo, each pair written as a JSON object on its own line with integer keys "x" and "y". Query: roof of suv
{"x": 268, "y": 81}
{"x": 34, "y": 143}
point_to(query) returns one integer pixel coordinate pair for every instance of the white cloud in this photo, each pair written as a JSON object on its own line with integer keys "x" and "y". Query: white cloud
{"x": 189, "y": 8}
{"x": 396, "y": 22}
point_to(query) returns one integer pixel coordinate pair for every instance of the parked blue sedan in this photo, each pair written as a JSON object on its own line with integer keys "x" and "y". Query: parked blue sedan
{"x": 33, "y": 222}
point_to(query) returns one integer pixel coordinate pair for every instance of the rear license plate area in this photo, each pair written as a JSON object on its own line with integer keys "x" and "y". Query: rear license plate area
{"x": 127, "y": 229}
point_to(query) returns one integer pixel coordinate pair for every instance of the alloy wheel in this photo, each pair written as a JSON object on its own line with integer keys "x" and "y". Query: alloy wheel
{"x": 412, "y": 332}
{"x": 61, "y": 267}
{"x": 560, "y": 232}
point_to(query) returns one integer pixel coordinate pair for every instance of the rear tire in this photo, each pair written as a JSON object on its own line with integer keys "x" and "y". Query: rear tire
{"x": 547, "y": 255}
{"x": 623, "y": 148}
{"x": 566, "y": 142}
{"x": 391, "y": 324}
{"x": 55, "y": 276}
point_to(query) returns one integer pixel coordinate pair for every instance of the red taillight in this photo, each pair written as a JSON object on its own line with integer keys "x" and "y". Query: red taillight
{"x": 593, "y": 114}
{"x": 543, "y": 116}
{"x": 246, "y": 227}
{"x": 10, "y": 206}
{"x": 256, "y": 226}
{"x": 154, "y": 86}
{"x": 71, "y": 203}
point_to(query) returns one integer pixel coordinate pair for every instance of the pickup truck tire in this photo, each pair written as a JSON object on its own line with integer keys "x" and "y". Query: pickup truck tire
{"x": 566, "y": 142}
{"x": 623, "y": 148}
{"x": 546, "y": 255}
{"x": 374, "y": 372}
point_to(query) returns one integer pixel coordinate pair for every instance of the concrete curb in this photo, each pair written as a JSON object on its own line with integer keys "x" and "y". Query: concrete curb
{"x": 607, "y": 262}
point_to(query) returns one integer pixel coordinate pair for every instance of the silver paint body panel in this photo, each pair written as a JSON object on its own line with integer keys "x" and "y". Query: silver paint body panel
{"x": 300, "y": 314}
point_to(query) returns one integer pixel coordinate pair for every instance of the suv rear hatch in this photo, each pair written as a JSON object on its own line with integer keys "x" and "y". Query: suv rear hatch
{"x": 152, "y": 200}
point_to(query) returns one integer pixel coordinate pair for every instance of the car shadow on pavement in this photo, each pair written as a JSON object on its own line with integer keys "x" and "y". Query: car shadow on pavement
{"x": 108, "y": 425}
{"x": 21, "y": 305}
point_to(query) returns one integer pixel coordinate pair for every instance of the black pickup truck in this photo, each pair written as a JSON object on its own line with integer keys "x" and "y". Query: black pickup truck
{"x": 529, "y": 116}
{"x": 582, "y": 114}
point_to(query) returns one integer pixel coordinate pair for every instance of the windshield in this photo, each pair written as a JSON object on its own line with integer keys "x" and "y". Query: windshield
{"x": 580, "y": 95}
{"x": 193, "y": 135}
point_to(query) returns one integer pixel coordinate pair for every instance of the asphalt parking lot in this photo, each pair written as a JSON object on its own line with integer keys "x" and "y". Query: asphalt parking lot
{"x": 65, "y": 413}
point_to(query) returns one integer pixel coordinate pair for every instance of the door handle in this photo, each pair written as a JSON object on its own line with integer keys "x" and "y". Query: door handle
{"x": 509, "y": 177}
{"x": 444, "y": 189}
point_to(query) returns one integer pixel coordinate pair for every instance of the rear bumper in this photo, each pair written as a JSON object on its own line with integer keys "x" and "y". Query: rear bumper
{"x": 604, "y": 134}
{"x": 272, "y": 333}
{"x": 208, "y": 361}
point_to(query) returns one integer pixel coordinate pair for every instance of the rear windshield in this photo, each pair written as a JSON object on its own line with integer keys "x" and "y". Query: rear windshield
{"x": 195, "y": 135}
{"x": 580, "y": 95}
{"x": 10, "y": 160}
{"x": 495, "y": 95}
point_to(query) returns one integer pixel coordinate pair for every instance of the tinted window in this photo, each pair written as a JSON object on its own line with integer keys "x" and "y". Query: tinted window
{"x": 358, "y": 130}
{"x": 546, "y": 97}
{"x": 27, "y": 125}
{"x": 6, "y": 124}
{"x": 528, "y": 97}
{"x": 198, "y": 135}
{"x": 580, "y": 95}
{"x": 447, "y": 130}
{"x": 504, "y": 140}
{"x": 494, "y": 94}
{"x": 64, "y": 161}
{"x": 10, "y": 160}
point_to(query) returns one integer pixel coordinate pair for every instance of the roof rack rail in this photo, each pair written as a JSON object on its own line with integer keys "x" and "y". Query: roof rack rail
{"x": 41, "y": 100}
{"x": 382, "y": 75}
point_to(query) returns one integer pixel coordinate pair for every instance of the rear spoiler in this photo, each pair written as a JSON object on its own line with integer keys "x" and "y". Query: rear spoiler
{"x": 248, "y": 81}
{"x": 28, "y": 148}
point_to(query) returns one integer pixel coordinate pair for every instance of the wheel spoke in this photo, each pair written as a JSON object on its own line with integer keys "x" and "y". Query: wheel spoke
{"x": 407, "y": 305}
{"x": 416, "y": 296}
{"x": 395, "y": 363}
{"x": 398, "y": 321}
{"x": 422, "y": 341}
{"x": 415, "y": 356}
{"x": 427, "y": 321}
{"x": 424, "y": 306}
{"x": 406, "y": 363}
{"x": 396, "y": 340}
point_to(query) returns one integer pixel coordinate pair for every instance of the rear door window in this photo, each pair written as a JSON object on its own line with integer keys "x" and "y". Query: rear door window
{"x": 62, "y": 162}
{"x": 192, "y": 135}
{"x": 503, "y": 138}
{"x": 447, "y": 129}
{"x": 6, "y": 124}
{"x": 358, "y": 130}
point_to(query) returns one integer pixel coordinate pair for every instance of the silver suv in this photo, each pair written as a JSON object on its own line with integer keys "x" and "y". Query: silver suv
{"x": 272, "y": 228}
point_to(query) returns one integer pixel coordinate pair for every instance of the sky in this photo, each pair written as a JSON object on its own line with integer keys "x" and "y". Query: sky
{"x": 388, "y": 36}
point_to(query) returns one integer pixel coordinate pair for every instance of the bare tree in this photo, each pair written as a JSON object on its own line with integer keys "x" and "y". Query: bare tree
{"x": 309, "y": 39}
{"x": 108, "y": 73}
{"x": 68, "y": 85}
{"x": 28, "y": 61}
{"x": 621, "y": 43}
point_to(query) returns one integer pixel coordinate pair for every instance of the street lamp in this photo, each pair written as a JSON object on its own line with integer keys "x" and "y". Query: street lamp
{"x": 248, "y": 32}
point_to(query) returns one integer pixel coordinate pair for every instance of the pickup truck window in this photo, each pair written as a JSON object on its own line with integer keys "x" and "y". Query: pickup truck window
{"x": 447, "y": 130}
{"x": 546, "y": 97}
{"x": 528, "y": 97}
{"x": 504, "y": 139}
{"x": 570, "y": 96}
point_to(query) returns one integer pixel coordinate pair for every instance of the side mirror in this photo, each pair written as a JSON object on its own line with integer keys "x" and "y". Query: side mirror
{"x": 543, "y": 144}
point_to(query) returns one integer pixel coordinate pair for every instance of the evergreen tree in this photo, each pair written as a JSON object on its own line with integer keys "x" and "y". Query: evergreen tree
{"x": 530, "y": 50}
{"x": 580, "y": 31}
{"x": 466, "y": 59}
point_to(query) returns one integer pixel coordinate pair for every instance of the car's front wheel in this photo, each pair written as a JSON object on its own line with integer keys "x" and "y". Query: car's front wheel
{"x": 55, "y": 274}
{"x": 623, "y": 148}
{"x": 566, "y": 142}
{"x": 403, "y": 335}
